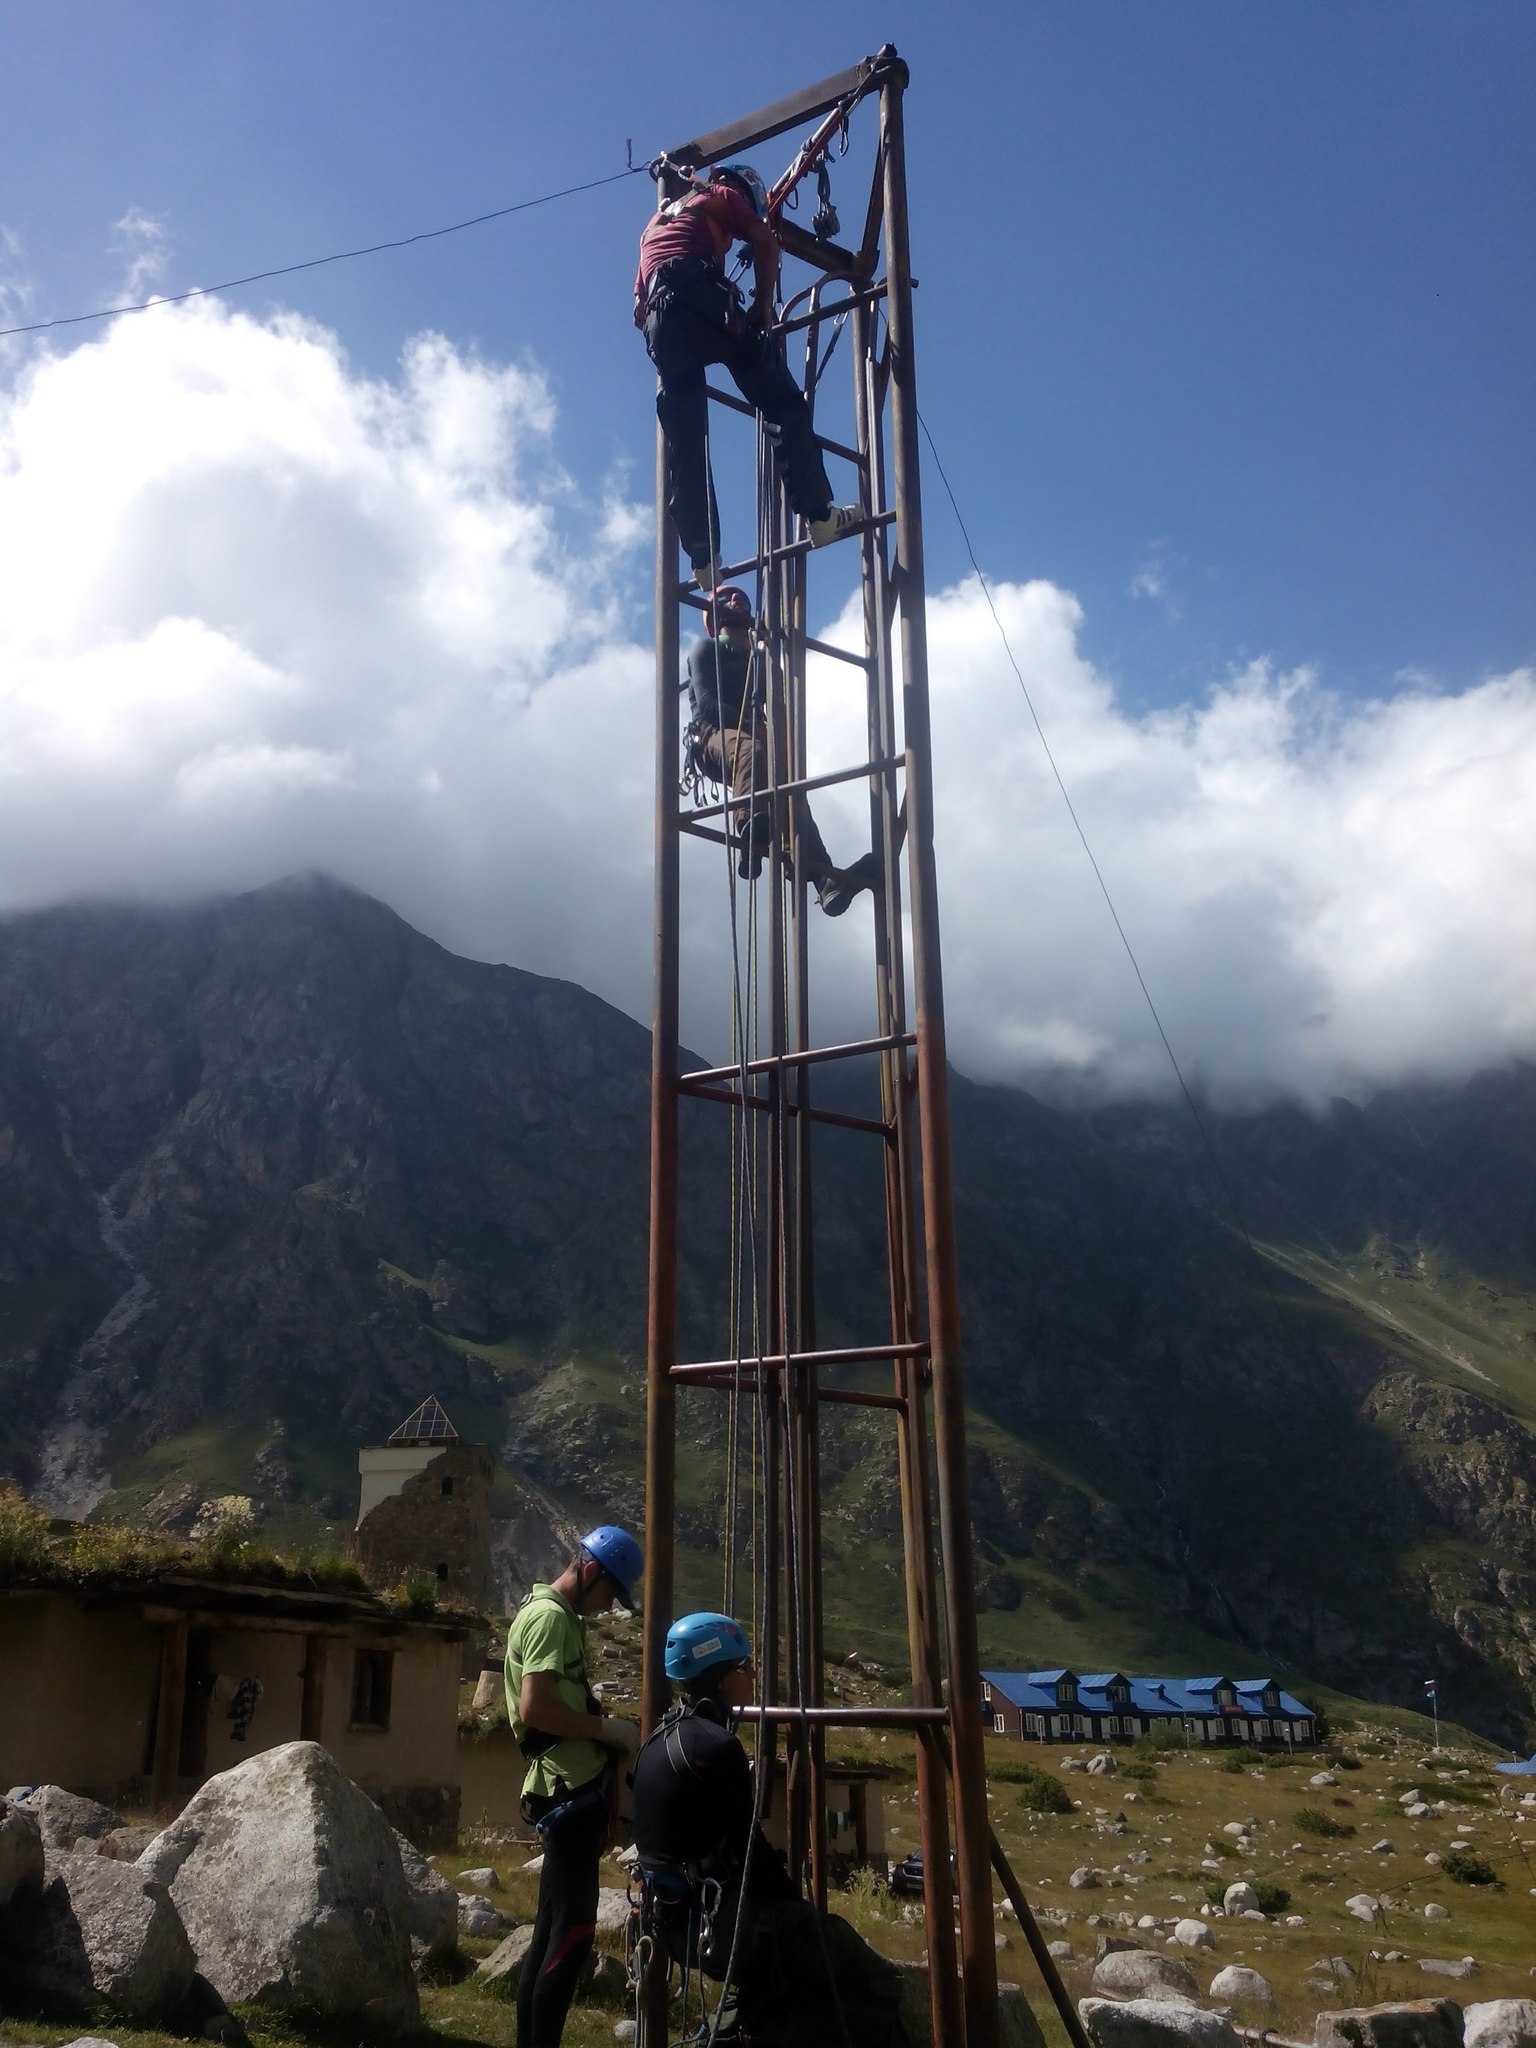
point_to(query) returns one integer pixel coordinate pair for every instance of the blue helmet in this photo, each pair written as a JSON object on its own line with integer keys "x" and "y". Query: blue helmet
{"x": 746, "y": 180}
{"x": 620, "y": 1557}
{"x": 699, "y": 1642}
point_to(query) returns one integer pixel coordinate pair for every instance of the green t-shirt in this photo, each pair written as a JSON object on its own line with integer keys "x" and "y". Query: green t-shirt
{"x": 547, "y": 1634}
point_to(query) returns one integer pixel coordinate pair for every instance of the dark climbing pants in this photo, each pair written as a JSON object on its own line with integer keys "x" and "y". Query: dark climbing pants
{"x": 692, "y": 322}
{"x": 562, "y": 1930}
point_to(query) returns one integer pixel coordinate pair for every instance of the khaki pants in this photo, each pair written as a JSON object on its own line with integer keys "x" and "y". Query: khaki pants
{"x": 739, "y": 760}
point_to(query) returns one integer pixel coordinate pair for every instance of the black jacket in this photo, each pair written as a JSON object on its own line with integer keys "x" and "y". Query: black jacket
{"x": 717, "y": 682}
{"x": 693, "y": 1805}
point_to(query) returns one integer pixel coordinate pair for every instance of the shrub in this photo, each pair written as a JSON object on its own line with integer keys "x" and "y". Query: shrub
{"x": 1469, "y": 1869}
{"x": 113, "y": 1550}
{"x": 1343, "y": 1761}
{"x": 1311, "y": 1820}
{"x": 417, "y": 1591}
{"x": 328, "y": 1567}
{"x": 23, "y": 1533}
{"x": 1273, "y": 1898}
{"x": 1160, "y": 1736}
{"x": 1039, "y": 1792}
{"x": 1142, "y": 1773}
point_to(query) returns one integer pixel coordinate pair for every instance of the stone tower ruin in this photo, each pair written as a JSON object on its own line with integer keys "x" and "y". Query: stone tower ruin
{"x": 424, "y": 1507}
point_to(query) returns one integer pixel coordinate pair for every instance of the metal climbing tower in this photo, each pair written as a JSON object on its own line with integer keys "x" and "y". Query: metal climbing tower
{"x": 779, "y": 1385}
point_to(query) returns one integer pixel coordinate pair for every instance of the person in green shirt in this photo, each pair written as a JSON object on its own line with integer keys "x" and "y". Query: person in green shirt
{"x": 573, "y": 1751}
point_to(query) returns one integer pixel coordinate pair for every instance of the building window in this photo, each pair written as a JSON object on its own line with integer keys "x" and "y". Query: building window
{"x": 447, "y": 1489}
{"x": 1035, "y": 1723}
{"x": 986, "y": 1690}
{"x": 1225, "y": 1696}
{"x": 373, "y": 1674}
{"x": 1261, "y": 1730}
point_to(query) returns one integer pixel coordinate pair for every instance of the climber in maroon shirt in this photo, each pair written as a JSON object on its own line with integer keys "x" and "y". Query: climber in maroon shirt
{"x": 691, "y": 316}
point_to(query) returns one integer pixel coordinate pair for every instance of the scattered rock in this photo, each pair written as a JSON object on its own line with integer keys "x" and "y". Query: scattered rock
{"x": 624, "y": 2030}
{"x": 1245, "y": 1986}
{"x": 482, "y": 1880}
{"x": 1363, "y": 1906}
{"x": 434, "y": 1905}
{"x": 1382, "y": 1848}
{"x": 1239, "y": 1898}
{"x": 290, "y": 1882}
{"x": 21, "y": 1853}
{"x": 1102, "y": 1766}
{"x": 1417, "y": 1810}
{"x": 1328, "y": 1972}
{"x": 1112, "y": 1945}
{"x": 1411, "y": 2023}
{"x": 100, "y": 1935}
{"x": 477, "y": 1916}
{"x": 535, "y": 1863}
{"x": 64, "y": 1817}
{"x": 603, "y": 1975}
{"x": 1435, "y": 1911}
{"x": 1235, "y": 1828}
{"x": 1154, "y": 2023}
{"x": 1064, "y": 1953}
{"x": 612, "y": 1911}
{"x": 1084, "y": 1879}
{"x": 1500, "y": 2023}
{"x": 1462, "y": 1966}
{"x": 1017, "y": 2025}
{"x": 1193, "y": 1934}
{"x": 1140, "y": 1973}
{"x": 1322, "y": 1778}
{"x": 503, "y": 1966}
{"x": 1070, "y": 1763}
{"x": 1294, "y": 1920}
{"x": 1433, "y": 1858}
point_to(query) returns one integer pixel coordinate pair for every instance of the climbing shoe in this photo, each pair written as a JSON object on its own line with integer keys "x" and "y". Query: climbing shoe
{"x": 706, "y": 572}
{"x": 835, "y": 891}
{"x": 751, "y": 844}
{"x": 834, "y": 523}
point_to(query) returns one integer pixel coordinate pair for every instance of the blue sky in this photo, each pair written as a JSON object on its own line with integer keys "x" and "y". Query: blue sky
{"x": 1224, "y": 328}
{"x": 1236, "y": 300}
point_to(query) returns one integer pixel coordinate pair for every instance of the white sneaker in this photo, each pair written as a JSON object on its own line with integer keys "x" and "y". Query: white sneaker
{"x": 837, "y": 520}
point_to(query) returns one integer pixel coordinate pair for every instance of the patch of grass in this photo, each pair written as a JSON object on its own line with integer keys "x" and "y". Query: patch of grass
{"x": 1140, "y": 1772}
{"x": 416, "y": 1592}
{"x": 1311, "y": 1820}
{"x": 23, "y": 1533}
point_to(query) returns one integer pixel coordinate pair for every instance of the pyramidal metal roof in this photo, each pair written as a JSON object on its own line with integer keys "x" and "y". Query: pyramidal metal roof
{"x": 428, "y": 1425}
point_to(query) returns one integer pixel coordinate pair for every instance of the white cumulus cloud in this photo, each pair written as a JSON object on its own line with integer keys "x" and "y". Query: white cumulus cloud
{"x": 259, "y": 613}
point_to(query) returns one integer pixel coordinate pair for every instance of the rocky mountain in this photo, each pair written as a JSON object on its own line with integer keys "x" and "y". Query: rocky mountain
{"x": 1257, "y": 1392}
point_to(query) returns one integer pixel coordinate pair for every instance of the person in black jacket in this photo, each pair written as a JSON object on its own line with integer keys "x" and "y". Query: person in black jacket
{"x": 720, "y": 1895}
{"x": 730, "y": 745}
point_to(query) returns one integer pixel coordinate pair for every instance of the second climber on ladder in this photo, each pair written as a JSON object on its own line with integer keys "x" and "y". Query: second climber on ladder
{"x": 730, "y": 745}
{"x": 691, "y": 316}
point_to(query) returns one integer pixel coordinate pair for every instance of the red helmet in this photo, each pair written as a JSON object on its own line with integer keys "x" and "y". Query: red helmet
{"x": 729, "y": 606}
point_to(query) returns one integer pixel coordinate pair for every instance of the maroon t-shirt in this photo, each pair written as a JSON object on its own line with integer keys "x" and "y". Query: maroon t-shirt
{"x": 705, "y": 226}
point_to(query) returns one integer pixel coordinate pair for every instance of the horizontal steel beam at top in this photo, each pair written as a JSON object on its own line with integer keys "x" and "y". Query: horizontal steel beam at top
{"x": 812, "y": 1057}
{"x": 833, "y": 775}
{"x": 790, "y": 112}
{"x": 848, "y": 1354}
{"x": 852, "y": 1717}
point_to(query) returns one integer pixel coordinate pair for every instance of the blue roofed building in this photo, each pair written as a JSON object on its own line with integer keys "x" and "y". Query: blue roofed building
{"x": 1114, "y": 1706}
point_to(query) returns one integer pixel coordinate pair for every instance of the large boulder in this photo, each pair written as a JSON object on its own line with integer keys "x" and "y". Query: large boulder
{"x": 21, "y": 1853}
{"x": 1243, "y": 1987}
{"x": 1017, "y": 2025}
{"x": 503, "y": 1966}
{"x": 1103, "y": 1765}
{"x": 434, "y": 1905}
{"x": 1142, "y": 1973}
{"x": 1239, "y": 1898}
{"x": 1410, "y": 2023}
{"x": 1500, "y": 2023}
{"x": 64, "y": 1818}
{"x": 101, "y": 1937}
{"x": 1193, "y": 1934}
{"x": 290, "y": 1883}
{"x": 1154, "y": 2023}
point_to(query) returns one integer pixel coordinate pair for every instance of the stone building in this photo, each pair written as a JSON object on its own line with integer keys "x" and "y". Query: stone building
{"x": 424, "y": 1506}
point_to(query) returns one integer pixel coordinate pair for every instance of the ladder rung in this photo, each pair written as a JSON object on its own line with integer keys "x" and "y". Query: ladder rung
{"x": 876, "y": 1126}
{"x": 812, "y": 1057}
{"x": 741, "y": 803}
{"x": 853, "y": 1717}
{"x": 851, "y": 1354}
{"x": 867, "y": 295}
{"x": 731, "y": 571}
{"x": 735, "y": 404}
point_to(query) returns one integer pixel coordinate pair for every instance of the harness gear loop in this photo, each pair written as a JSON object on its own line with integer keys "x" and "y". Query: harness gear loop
{"x": 825, "y": 222}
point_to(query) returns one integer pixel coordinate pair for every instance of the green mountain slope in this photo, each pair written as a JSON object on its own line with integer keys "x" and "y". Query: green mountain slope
{"x": 273, "y": 1169}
